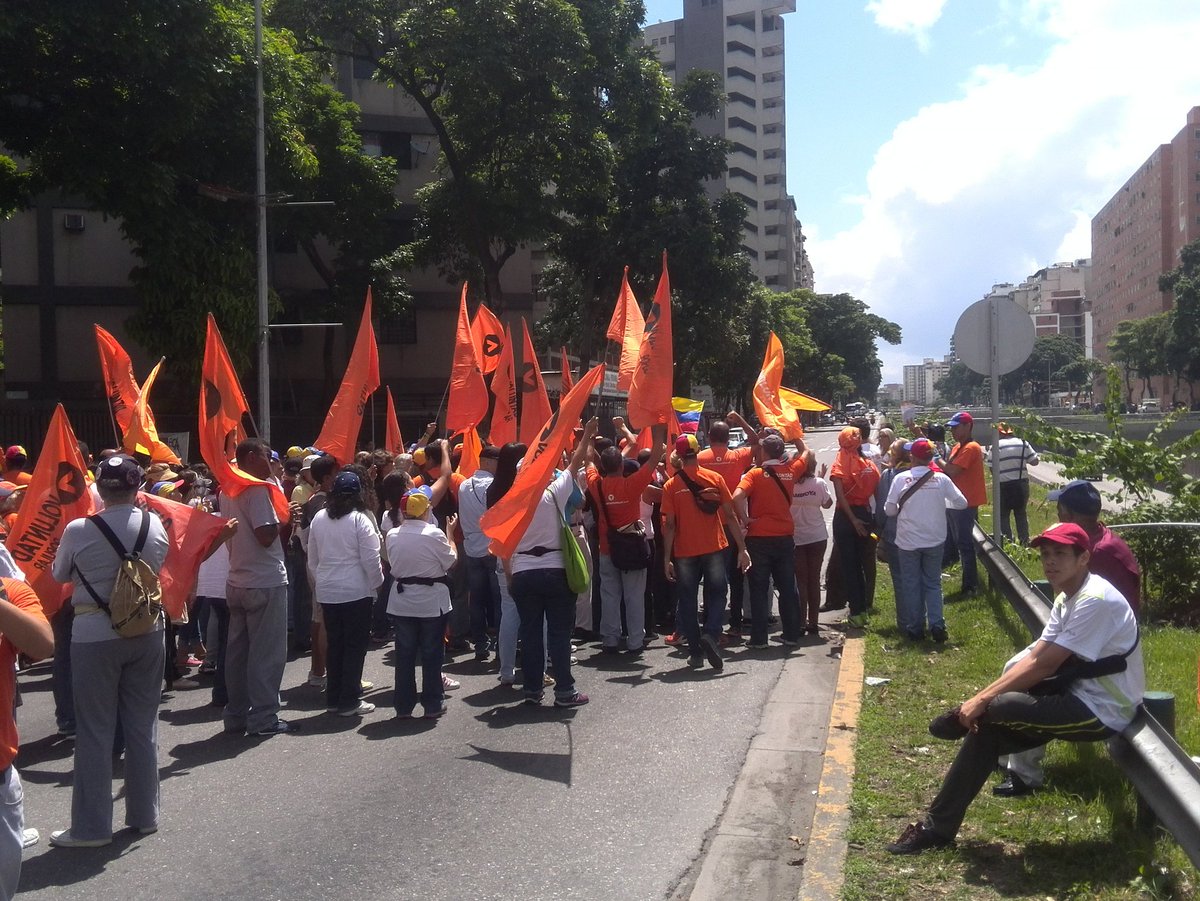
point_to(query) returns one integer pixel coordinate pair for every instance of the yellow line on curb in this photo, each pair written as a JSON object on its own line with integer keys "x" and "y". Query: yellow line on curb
{"x": 826, "y": 857}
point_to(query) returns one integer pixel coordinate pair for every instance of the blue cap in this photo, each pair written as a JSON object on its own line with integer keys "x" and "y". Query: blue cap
{"x": 346, "y": 483}
{"x": 1079, "y": 496}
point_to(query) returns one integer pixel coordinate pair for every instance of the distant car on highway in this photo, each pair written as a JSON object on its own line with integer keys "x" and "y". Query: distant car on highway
{"x": 1150, "y": 406}
{"x": 828, "y": 419}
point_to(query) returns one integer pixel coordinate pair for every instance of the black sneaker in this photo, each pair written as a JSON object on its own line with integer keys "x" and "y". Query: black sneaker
{"x": 1013, "y": 787}
{"x": 696, "y": 662}
{"x": 279, "y": 727}
{"x": 939, "y": 634}
{"x": 948, "y": 726}
{"x": 916, "y": 838}
{"x": 712, "y": 651}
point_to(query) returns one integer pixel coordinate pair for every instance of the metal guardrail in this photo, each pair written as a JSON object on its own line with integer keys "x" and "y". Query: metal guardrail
{"x": 1165, "y": 777}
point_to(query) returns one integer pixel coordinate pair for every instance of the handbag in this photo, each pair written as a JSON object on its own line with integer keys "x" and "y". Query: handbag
{"x": 628, "y": 548}
{"x": 705, "y": 506}
{"x": 579, "y": 579}
{"x": 1073, "y": 669}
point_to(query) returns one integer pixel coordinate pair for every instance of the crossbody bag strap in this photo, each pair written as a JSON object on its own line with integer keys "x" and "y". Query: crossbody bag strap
{"x": 692, "y": 486}
{"x": 911, "y": 489}
{"x": 774, "y": 476}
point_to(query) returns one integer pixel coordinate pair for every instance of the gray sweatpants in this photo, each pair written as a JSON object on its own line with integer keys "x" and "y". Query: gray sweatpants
{"x": 12, "y": 827}
{"x": 120, "y": 675}
{"x": 255, "y": 656}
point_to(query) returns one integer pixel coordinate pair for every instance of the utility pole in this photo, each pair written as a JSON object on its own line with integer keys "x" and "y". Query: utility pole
{"x": 260, "y": 203}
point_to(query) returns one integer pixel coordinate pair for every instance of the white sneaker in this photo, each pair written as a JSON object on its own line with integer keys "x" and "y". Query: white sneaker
{"x": 64, "y": 839}
{"x": 30, "y": 837}
{"x": 316, "y": 681}
{"x": 449, "y": 684}
{"x": 363, "y": 708}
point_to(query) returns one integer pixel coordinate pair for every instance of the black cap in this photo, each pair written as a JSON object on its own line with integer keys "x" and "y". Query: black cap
{"x": 120, "y": 471}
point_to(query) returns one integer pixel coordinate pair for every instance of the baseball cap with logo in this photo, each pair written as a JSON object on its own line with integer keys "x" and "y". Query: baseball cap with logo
{"x": 120, "y": 471}
{"x": 921, "y": 449}
{"x": 1079, "y": 496}
{"x": 687, "y": 446}
{"x": 962, "y": 417}
{"x": 1064, "y": 533}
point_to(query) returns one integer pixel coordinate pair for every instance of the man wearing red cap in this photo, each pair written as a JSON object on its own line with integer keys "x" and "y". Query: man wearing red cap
{"x": 1092, "y": 636}
{"x": 965, "y": 468}
{"x": 15, "y": 461}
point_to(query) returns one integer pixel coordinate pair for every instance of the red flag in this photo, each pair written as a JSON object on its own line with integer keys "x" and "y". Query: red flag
{"x": 141, "y": 436}
{"x": 392, "y": 441}
{"x": 119, "y": 380}
{"x": 339, "y": 434}
{"x": 472, "y": 446}
{"x": 190, "y": 533}
{"x": 507, "y": 521}
{"x": 222, "y": 405}
{"x": 535, "y": 405}
{"x": 568, "y": 381}
{"x": 767, "y": 403}
{"x": 626, "y": 326}
{"x": 468, "y": 404}
{"x": 487, "y": 334}
{"x": 57, "y": 494}
{"x": 650, "y": 391}
{"x": 504, "y": 389}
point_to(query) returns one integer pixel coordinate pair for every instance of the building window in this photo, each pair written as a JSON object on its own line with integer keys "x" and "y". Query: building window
{"x": 772, "y": 255}
{"x": 739, "y": 72}
{"x": 772, "y": 102}
{"x": 753, "y": 254}
{"x": 364, "y": 69}
{"x": 399, "y": 329}
{"x": 396, "y": 144}
{"x": 739, "y": 172}
{"x": 772, "y": 128}
{"x": 771, "y": 230}
{"x": 739, "y": 97}
{"x": 738, "y": 147}
{"x": 749, "y": 201}
{"x": 739, "y": 122}
{"x": 670, "y": 39}
{"x": 771, "y": 280}
{"x": 749, "y": 226}
{"x": 771, "y": 77}
{"x": 770, "y": 23}
{"x": 771, "y": 205}
{"x": 771, "y": 154}
{"x": 771, "y": 180}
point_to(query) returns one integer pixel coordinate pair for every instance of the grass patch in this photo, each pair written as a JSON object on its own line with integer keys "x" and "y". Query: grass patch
{"x": 1075, "y": 839}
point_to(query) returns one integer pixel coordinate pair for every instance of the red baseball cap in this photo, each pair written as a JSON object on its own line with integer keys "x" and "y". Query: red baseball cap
{"x": 1064, "y": 533}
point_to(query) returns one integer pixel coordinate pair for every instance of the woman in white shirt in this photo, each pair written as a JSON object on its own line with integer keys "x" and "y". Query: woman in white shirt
{"x": 421, "y": 556}
{"x": 810, "y": 497}
{"x": 343, "y": 558}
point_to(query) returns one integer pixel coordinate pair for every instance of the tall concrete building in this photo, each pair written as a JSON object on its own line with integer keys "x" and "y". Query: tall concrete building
{"x": 742, "y": 41}
{"x": 1056, "y": 297}
{"x": 920, "y": 378}
{"x": 1138, "y": 234}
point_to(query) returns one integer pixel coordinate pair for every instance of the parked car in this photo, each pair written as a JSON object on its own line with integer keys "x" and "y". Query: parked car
{"x": 827, "y": 418}
{"x": 737, "y": 437}
{"x": 1150, "y": 406}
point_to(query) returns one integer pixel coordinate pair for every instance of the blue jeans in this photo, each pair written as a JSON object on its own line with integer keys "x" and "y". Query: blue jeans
{"x": 892, "y": 554}
{"x": 773, "y": 558}
{"x": 962, "y": 523}
{"x": 484, "y": 591}
{"x": 921, "y": 595}
{"x": 424, "y": 635}
{"x": 543, "y": 596}
{"x": 688, "y": 571}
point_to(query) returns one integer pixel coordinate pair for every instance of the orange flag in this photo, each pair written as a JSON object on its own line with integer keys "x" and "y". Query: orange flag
{"x": 650, "y": 391}
{"x": 190, "y": 533}
{"x": 798, "y": 400}
{"x": 468, "y": 404}
{"x": 393, "y": 443}
{"x": 504, "y": 389}
{"x": 771, "y": 410}
{"x": 535, "y": 405}
{"x": 222, "y": 405}
{"x": 119, "y": 382}
{"x": 487, "y": 334}
{"x": 57, "y": 494}
{"x": 627, "y": 327}
{"x": 472, "y": 446}
{"x": 507, "y": 521}
{"x": 568, "y": 381}
{"x": 141, "y": 435}
{"x": 339, "y": 434}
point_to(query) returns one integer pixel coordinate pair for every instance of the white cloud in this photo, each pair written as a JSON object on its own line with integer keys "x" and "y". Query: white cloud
{"x": 913, "y": 17}
{"x": 1004, "y": 178}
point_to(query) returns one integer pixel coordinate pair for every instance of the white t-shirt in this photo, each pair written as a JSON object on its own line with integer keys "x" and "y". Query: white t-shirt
{"x": 343, "y": 557}
{"x": 1098, "y": 622}
{"x": 545, "y": 528}
{"x": 808, "y": 520}
{"x": 419, "y": 548}
{"x": 214, "y": 572}
{"x": 922, "y": 522}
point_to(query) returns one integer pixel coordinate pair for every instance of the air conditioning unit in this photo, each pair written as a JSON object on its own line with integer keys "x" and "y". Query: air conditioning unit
{"x": 73, "y": 222}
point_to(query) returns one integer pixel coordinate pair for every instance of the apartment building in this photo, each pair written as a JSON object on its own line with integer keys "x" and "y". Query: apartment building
{"x": 920, "y": 378}
{"x": 742, "y": 40}
{"x": 1056, "y": 298}
{"x": 1138, "y": 234}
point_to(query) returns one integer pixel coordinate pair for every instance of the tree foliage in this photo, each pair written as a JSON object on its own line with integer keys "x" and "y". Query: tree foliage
{"x": 145, "y": 108}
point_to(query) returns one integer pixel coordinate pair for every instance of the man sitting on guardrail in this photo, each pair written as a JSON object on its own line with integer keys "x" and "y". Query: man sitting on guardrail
{"x": 1082, "y": 680}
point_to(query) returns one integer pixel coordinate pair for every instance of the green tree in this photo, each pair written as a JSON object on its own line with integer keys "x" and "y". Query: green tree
{"x": 961, "y": 386}
{"x": 146, "y": 109}
{"x": 1051, "y": 353}
{"x": 846, "y": 363}
{"x": 1138, "y": 346}
{"x": 1183, "y": 344}
{"x": 515, "y": 92}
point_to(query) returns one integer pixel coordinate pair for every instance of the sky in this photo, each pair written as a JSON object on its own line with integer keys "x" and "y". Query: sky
{"x": 938, "y": 147}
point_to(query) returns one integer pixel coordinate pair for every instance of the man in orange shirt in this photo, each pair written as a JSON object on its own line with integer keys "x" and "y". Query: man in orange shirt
{"x": 730, "y": 464}
{"x": 965, "y": 468}
{"x": 694, "y": 541}
{"x": 764, "y": 502}
{"x": 15, "y": 461}
{"x": 23, "y": 629}
{"x": 618, "y": 501}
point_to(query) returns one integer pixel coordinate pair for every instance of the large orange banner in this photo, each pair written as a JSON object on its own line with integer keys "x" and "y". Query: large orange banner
{"x": 468, "y": 402}
{"x": 190, "y": 533}
{"x": 650, "y": 390}
{"x": 535, "y": 404}
{"x": 769, "y": 406}
{"x": 339, "y": 434}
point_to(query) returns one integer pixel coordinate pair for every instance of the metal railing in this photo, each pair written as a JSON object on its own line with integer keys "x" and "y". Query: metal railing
{"x": 1165, "y": 777}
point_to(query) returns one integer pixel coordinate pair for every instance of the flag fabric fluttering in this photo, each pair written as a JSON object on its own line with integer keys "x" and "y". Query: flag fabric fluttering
{"x": 626, "y": 327}
{"x": 650, "y": 390}
{"x": 57, "y": 494}
{"x": 468, "y": 402}
{"x": 687, "y": 414}
{"x": 567, "y": 379}
{"x": 472, "y": 447}
{"x": 119, "y": 381}
{"x": 190, "y": 533}
{"x": 767, "y": 403}
{"x": 535, "y": 404}
{"x": 392, "y": 440}
{"x": 222, "y": 405}
{"x": 798, "y": 400}
{"x": 507, "y": 520}
{"x": 487, "y": 334}
{"x": 339, "y": 434}
{"x": 504, "y": 389}
{"x": 141, "y": 436}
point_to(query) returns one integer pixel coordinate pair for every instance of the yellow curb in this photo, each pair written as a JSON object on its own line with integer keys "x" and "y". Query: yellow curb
{"x": 826, "y": 857}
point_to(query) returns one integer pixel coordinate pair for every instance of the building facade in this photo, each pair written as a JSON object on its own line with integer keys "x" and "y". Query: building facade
{"x": 920, "y": 379}
{"x": 742, "y": 41}
{"x": 1138, "y": 234}
{"x": 1056, "y": 298}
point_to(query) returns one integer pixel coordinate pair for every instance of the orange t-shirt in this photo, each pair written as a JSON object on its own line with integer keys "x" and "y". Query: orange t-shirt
{"x": 18, "y": 477}
{"x": 22, "y": 596}
{"x": 771, "y": 509}
{"x": 970, "y": 481}
{"x": 622, "y": 499}
{"x": 696, "y": 533}
{"x": 729, "y": 464}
